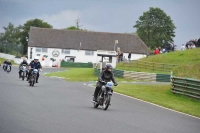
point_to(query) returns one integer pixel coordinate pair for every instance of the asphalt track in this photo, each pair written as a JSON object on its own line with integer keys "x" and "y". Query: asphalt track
{"x": 57, "y": 106}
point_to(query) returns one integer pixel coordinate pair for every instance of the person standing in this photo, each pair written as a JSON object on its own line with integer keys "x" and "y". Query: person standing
{"x": 118, "y": 56}
{"x": 156, "y": 51}
{"x": 198, "y": 42}
{"x": 129, "y": 56}
{"x": 121, "y": 56}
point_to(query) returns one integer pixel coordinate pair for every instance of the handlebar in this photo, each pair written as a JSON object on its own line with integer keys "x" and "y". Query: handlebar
{"x": 115, "y": 84}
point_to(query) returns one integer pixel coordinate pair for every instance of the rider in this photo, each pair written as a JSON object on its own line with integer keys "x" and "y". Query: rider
{"x": 35, "y": 64}
{"x": 9, "y": 63}
{"x": 5, "y": 63}
{"x": 21, "y": 64}
{"x": 106, "y": 75}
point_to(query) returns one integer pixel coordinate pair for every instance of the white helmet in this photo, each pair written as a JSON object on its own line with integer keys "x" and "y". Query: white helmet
{"x": 36, "y": 58}
{"x": 25, "y": 59}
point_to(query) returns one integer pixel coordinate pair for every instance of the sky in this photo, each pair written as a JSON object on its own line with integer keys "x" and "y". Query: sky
{"x": 103, "y": 15}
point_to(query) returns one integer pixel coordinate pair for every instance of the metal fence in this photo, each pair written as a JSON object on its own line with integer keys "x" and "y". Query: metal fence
{"x": 149, "y": 65}
{"x": 186, "y": 86}
{"x": 11, "y": 48}
{"x": 76, "y": 65}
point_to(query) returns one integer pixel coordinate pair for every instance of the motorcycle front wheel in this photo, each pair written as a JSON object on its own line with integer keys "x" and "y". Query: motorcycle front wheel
{"x": 23, "y": 75}
{"x": 106, "y": 102}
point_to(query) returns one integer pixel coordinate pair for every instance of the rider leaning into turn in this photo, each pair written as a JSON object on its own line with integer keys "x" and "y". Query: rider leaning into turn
{"x": 21, "y": 64}
{"x": 106, "y": 75}
{"x": 35, "y": 64}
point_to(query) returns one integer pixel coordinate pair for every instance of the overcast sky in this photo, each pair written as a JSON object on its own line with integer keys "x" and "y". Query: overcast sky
{"x": 103, "y": 15}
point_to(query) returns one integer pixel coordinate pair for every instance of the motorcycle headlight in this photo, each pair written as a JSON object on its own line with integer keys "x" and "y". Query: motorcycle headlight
{"x": 109, "y": 84}
{"x": 35, "y": 70}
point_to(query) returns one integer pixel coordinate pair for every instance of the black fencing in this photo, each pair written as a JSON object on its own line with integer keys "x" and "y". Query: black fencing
{"x": 11, "y": 48}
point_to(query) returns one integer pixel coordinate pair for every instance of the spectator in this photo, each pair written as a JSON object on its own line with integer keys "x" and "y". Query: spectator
{"x": 193, "y": 46}
{"x": 124, "y": 59}
{"x": 190, "y": 44}
{"x": 121, "y": 56}
{"x": 183, "y": 47}
{"x": 164, "y": 50}
{"x": 173, "y": 46}
{"x": 187, "y": 45}
{"x": 198, "y": 42}
{"x": 129, "y": 56}
{"x": 159, "y": 48}
{"x": 156, "y": 51}
{"x": 118, "y": 56}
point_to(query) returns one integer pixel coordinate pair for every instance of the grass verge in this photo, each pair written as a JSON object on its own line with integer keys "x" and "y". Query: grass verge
{"x": 120, "y": 66}
{"x": 81, "y": 74}
{"x": 161, "y": 95}
{"x": 2, "y": 60}
{"x": 188, "y": 63}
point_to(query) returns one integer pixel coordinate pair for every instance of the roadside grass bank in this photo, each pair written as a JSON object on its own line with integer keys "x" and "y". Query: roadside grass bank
{"x": 81, "y": 74}
{"x": 161, "y": 95}
{"x": 188, "y": 63}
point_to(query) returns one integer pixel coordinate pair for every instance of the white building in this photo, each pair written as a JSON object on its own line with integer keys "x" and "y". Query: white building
{"x": 80, "y": 46}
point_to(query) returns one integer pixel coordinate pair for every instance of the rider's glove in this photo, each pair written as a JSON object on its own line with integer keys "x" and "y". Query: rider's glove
{"x": 115, "y": 84}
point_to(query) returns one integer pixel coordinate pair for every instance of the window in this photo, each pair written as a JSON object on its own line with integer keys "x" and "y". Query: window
{"x": 38, "y": 50}
{"x": 44, "y": 50}
{"x": 90, "y": 53}
{"x": 65, "y": 51}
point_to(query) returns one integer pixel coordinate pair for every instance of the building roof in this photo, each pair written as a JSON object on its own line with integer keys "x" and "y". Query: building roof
{"x": 70, "y": 39}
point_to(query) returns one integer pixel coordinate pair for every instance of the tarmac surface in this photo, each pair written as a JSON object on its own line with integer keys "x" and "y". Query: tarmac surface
{"x": 56, "y": 106}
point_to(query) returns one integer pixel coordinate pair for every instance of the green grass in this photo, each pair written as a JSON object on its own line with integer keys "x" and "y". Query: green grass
{"x": 161, "y": 95}
{"x": 187, "y": 57}
{"x": 80, "y": 74}
{"x": 2, "y": 60}
{"x": 188, "y": 62}
{"x": 120, "y": 66}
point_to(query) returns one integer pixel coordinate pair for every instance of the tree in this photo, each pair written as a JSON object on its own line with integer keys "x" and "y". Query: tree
{"x": 11, "y": 34}
{"x": 72, "y": 28}
{"x": 26, "y": 28}
{"x": 155, "y": 27}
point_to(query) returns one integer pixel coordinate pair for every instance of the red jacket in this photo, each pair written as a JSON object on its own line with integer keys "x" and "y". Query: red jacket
{"x": 156, "y": 52}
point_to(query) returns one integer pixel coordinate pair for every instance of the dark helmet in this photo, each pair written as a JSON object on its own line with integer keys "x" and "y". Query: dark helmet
{"x": 108, "y": 66}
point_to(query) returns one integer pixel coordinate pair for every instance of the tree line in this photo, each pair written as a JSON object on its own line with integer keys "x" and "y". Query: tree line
{"x": 154, "y": 27}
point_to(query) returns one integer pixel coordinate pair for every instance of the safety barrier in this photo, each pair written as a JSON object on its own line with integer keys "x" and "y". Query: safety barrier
{"x": 186, "y": 86}
{"x": 149, "y": 65}
{"x": 76, "y": 64}
{"x": 141, "y": 76}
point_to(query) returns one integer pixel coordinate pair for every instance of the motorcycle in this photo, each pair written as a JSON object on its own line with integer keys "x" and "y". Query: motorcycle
{"x": 33, "y": 76}
{"x": 8, "y": 68}
{"x": 24, "y": 71}
{"x": 104, "y": 95}
{"x": 4, "y": 67}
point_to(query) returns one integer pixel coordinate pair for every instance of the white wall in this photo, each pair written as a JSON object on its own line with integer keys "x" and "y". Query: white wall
{"x": 133, "y": 56}
{"x": 79, "y": 54}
